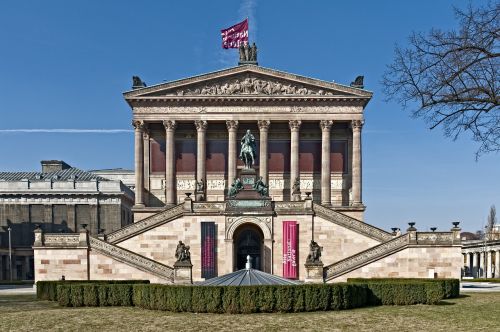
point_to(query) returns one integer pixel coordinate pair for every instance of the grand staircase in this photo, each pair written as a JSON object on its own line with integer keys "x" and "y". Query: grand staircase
{"x": 365, "y": 257}
{"x": 130, "y": 258}
{"x": 145, "y": 224}
{"x": 351, "y": 223}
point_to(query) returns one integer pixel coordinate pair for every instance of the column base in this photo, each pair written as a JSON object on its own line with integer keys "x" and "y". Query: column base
{"x": 138, "y": 206}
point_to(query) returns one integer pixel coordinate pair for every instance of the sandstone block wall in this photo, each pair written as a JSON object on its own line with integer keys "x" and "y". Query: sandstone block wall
{"x": 106, "y": 268}
{"x": 413, "y": 262}
{"x": 53, "y": 263}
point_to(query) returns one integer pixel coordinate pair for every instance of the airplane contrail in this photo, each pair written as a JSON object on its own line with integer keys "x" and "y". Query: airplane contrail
{"x": 67, "y": 131}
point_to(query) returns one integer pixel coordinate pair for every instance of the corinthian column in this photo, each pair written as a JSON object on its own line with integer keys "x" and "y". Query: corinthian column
{"x": 325, "y": 126}
{"x": 139, "y": 162}
{"x": 232, "y": 127}
{"x": 201, "y": 129}
{"x": 263, "y": 169}
{"x": 356, "y": 162}
{"x": 294, "y": 153}
{"x": 170, "y": 184}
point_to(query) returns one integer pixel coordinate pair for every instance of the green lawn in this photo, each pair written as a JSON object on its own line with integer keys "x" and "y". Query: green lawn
{"x": 471, "y": 312}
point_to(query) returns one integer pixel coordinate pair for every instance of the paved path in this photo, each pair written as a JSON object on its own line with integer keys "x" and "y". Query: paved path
{"x": 16, "y": 289}
{"x": 479, "y": 287}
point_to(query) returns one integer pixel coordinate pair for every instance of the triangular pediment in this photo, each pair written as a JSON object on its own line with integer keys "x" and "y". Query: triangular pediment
{"x": 248, "y": 81}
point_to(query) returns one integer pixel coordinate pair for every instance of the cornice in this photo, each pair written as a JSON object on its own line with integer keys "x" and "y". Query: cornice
{"x": 226, "y": 73}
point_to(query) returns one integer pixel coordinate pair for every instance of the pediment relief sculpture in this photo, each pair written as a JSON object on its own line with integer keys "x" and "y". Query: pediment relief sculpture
{"x": 250, "y": 86}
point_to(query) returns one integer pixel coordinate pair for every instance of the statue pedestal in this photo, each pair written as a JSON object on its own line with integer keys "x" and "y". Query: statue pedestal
{"x": 314, "y": 273}
{"x": 183, "y": 273}
{"x": 296, "y": 197}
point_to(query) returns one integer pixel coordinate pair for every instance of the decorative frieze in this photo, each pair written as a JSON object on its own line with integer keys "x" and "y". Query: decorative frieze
{"x": 186, "y": 184}
{"x": 216, "y": 184}
{"x": 208, "y": 207}
{"x": 250, "y": 86}
{"x": 269, "y": 109}
{"x": 61, "y": 240}
{"x": 445, "y": 238}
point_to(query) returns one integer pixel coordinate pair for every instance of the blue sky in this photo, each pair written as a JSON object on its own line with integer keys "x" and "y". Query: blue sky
{"x": 65, "y": 64}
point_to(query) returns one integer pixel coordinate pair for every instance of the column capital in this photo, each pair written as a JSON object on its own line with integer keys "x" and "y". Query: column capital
{"x": 294, "y": 124}
{"x": 138, "y": 124}
{"x": 263, "y": 124}
{"x": 170, "y": 124}
{"x": 201, "y": 125}
{"x": 325, "y": 125}
{"x": 357, "y": 124}
{"x": 232, "y": 124}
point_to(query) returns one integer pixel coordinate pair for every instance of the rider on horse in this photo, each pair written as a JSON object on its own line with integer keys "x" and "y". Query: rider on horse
{"x": 248, "y": 147}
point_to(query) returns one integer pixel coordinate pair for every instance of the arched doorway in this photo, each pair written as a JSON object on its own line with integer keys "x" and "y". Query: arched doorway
{"x": 248, "y": 240}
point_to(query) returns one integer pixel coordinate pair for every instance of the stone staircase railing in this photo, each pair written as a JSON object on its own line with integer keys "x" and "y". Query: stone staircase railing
{"x": 145, "y": 224}
{"x": 128, "y": 257}
{"x": 360, "y": 259}
{"x": 351, "y": 223}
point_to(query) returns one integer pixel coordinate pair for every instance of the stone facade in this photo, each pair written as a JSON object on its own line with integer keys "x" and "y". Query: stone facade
{"x": 308, "y": 154}
{"x": 59, "y": 199}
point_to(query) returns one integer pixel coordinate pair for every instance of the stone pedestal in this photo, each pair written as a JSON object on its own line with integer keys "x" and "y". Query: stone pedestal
{"x": 314, "y": 273}
{"x": 296, "y": 197}
{"x": 183, "y": 273}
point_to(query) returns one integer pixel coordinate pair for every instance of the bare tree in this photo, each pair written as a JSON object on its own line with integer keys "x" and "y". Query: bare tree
{"x": 453, "y": 77}
{"x": 490, "y": 223}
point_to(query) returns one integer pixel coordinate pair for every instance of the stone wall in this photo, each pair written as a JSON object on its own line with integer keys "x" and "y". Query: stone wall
{"x": 412, "y": 262}
{"x": 53, "y": 263}
{"x": 105, "y": 268}
{"x": 160, "y": 243}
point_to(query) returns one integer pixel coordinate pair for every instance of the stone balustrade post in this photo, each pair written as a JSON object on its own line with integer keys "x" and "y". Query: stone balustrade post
{"x": 83, "y": 239}
{"x": 412, "y": 233}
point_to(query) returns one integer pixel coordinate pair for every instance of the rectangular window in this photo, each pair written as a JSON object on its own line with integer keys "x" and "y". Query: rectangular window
{"x": 208, "y": 250}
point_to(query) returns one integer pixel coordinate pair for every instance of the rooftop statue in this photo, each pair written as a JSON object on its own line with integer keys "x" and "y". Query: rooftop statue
{"x": 248, "y": 147}
{"x": 137, "y": 82}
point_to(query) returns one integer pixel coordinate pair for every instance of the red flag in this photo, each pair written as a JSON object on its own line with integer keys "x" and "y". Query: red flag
{"x": 234, "y": 36}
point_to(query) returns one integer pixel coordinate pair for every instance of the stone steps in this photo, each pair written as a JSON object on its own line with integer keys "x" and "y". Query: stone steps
{"x": 130, "y": 258}
{"x": 366, "y": 257}
{"x": 351, "y": 223}
{"x": 145, "y": 224}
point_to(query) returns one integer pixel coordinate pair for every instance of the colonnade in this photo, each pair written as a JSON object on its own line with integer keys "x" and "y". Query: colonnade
{"x": 232, "y": 127}
{"x": 484, "y": 263}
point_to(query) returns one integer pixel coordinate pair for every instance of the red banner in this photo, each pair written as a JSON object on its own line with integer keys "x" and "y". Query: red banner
{"x": 234, "y": 36}
{"x": 290, "y": 249}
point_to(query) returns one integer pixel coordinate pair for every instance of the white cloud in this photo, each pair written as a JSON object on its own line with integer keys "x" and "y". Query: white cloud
{"x": 67, "y": 131}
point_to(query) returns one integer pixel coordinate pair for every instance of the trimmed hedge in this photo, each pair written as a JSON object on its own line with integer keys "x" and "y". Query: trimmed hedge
{"x": 404, "y": 291}
{"x": 223, "y": 299}
{"x": 495, "y": 280}
{"x": 250, "y": 299}
{"x": 47, "y": 290}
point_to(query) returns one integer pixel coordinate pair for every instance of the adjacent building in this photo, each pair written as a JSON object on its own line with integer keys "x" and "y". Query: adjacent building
{"x": 59, "y": 199}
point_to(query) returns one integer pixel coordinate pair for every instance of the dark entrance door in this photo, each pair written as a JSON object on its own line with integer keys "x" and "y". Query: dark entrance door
{"x": 248, "y": 242}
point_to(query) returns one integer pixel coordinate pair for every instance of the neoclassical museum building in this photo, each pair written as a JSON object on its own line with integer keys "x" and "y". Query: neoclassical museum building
{"x": 248, "y": 161}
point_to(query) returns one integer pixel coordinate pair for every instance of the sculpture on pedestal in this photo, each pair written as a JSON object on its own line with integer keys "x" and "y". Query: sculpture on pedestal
{"x": 261, "y": 187}
{"x": 248, "y": 147}
{"x": 314, "y": 256}
{"x": 182, "y": 253}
